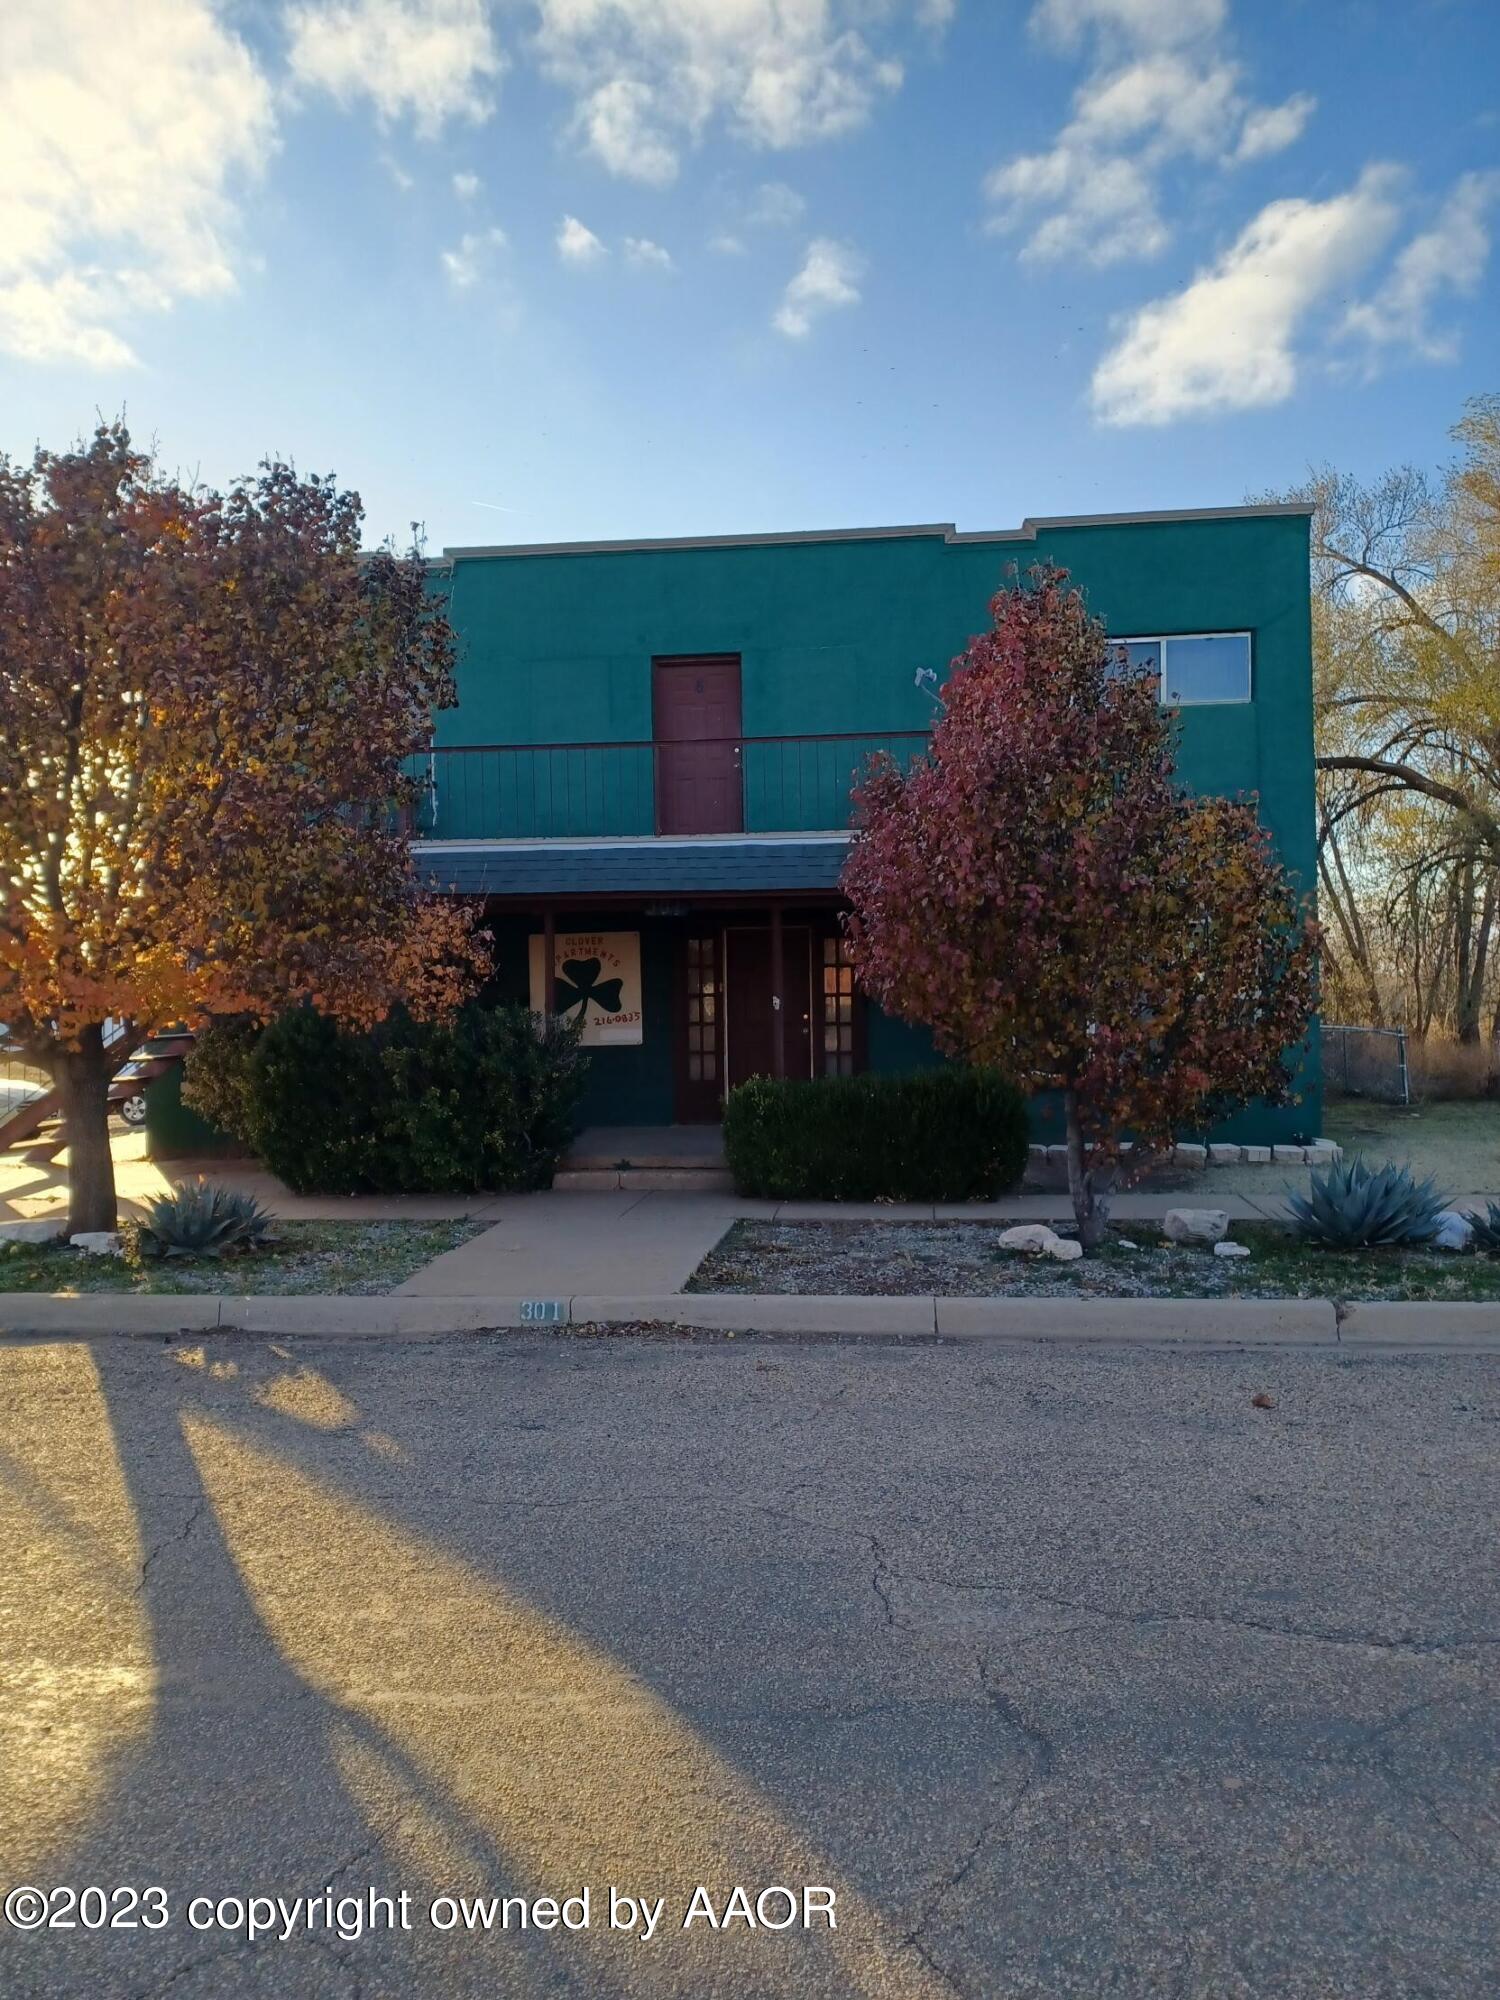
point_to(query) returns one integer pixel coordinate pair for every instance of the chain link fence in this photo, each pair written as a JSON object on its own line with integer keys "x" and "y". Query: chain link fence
{"x": 1366, "y": 1062}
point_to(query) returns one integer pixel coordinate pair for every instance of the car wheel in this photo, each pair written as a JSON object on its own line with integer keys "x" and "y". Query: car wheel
{"x": 133, "y": 1109}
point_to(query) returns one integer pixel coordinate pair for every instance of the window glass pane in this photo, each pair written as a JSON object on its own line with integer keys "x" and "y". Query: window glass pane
{"x": 1211, "y": 669}
{"x": 1132, "y": 654}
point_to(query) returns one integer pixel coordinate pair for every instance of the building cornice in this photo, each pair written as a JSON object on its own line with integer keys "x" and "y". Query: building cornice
{"x": 944, "y": 531}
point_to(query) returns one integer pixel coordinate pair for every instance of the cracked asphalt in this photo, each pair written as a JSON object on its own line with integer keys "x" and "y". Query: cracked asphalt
{"x": 1071, "y": 1671}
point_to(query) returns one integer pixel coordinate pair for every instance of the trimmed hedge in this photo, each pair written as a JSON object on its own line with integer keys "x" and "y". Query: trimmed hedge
{"x": 413, "y": 1107}
{"x": 944, "y": 1135}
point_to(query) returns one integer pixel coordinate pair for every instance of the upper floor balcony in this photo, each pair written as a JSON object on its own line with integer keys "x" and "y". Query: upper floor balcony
{"x": 601, "y": 791}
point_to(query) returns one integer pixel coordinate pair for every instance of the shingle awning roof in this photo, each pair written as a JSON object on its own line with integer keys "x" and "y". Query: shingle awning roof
{"x": 718, "y": 865}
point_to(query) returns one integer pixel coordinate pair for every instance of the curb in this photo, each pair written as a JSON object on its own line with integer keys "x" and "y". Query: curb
{"x": 1438, "y": 1327}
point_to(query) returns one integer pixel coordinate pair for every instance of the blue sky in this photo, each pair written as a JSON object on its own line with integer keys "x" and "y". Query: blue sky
{"x": 531, "y": 270}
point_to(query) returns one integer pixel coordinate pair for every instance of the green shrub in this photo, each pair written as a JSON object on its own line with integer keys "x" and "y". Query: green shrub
{"x": 1487, "y": 1228}
{"x": 944, "y": 1135}
{"x": 1353, "y": 1206}
{"x": 216, "y": 1075}
{"x": 484, "y": 1101}
{"x": 199, "y": 1220}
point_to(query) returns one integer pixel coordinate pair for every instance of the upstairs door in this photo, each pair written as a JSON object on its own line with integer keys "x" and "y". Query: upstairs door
{"x": 696, "y": 723}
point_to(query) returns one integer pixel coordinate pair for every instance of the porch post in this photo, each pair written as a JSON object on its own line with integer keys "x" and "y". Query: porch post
{"x": 549, "y": 955}
{"x": 778, "y": 981}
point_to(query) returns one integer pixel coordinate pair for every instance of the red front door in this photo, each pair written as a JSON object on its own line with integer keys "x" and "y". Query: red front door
{"x": 747, "y": 980}
{"x": 696, "y": 724}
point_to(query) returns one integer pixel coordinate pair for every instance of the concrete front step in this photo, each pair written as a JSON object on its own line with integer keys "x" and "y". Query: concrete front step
{"x": 645, "y": 1180}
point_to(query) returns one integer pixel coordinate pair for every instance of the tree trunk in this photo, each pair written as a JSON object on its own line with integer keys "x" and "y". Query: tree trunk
{"x": 1090, "y": 1191}
{"x": 82, "y": 1076}
{"x": 1473, "y": 958}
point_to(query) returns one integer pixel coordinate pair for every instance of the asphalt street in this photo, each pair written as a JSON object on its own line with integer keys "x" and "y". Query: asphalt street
{"x": 1068, "y": 1672}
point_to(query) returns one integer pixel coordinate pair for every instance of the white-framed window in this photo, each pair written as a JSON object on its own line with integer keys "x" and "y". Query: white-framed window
{"x": 1193, "y": 669}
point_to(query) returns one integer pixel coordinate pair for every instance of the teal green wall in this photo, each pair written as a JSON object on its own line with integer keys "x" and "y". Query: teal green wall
{"x": 626, "y": 1086}
{"x": 558, "y": 649}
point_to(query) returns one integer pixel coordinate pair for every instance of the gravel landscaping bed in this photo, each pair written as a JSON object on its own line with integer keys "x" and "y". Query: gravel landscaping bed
{"x": 963, "y": 1260}
{"x": 364, "y": 1258}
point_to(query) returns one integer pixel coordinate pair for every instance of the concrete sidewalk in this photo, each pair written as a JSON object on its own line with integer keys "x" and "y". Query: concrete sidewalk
{"x": 551, "y": 1246}
{"x": 1203, "y": 1323}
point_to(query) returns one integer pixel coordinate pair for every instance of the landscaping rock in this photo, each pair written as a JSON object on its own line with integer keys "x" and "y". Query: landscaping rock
{"x": 1224, "y": 1156}
{"x": 1190, "y": 1156}
{"x": 1064, "y": 1249}
{"x": 1322, "y": 1156}
{"x": 1228, "y": 1249}
{"x": 1196, "y": 1225}
{"x": 1455, "y": 1231}
{"x": 1256, "y": 1156}
{"x": 37, "y": 1231}
{"x": 97, "y": 1242}
{"x": 1034, "y": 1238}
{"x": 1289, "y": 1156}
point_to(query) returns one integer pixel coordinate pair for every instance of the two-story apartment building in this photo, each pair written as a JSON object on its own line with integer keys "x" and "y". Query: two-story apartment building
{"x": 648, "y": 774}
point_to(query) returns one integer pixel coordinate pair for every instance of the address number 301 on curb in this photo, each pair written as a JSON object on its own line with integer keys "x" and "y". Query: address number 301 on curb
{"x": 550, "y": 1310}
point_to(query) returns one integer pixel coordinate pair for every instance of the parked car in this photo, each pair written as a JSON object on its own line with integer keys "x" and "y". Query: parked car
{"x": 127, "y": 1093}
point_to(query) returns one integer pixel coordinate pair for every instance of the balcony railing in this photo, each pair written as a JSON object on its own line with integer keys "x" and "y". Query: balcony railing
{"x": 560, "y": 791}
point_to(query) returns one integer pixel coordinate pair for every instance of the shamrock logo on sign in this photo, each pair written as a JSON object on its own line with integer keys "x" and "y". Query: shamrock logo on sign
{"x": 580, "y": 983}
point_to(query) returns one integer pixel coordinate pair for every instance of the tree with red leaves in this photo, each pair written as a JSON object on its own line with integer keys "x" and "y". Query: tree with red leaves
{"x": 205, "y": 705}
{"x": 1040, "y": 893}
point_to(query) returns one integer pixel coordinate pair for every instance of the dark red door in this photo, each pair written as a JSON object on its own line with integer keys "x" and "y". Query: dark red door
{"x": 696, "y": 723}
{"x": 747, "y": 980}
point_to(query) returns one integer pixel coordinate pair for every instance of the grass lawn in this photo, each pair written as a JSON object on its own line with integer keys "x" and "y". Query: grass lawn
{"x": 1458, "y": 1143}
{"x": 359, "y": 1257}
{"x": 963, "y": 1260}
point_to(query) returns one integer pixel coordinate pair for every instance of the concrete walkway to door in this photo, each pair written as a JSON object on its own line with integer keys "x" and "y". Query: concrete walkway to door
{"x": 557, "y": 1245}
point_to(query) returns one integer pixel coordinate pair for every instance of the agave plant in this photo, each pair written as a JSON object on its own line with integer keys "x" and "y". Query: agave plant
{"x": 1487, "y": 1228}
{"x": 1352, "y": 1205}
{"x": 198, "y": 1219}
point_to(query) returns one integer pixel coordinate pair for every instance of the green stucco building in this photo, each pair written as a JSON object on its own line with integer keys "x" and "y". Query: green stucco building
{"x": 650, "y": 764}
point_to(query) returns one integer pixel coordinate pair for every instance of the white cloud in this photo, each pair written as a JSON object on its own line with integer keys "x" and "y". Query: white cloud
{"x": 1448, "y": 257}
{"x": 724, "y": 243}
{"x": 430, "y": 60}
{"x": 618, "y": 121}
{"x": 1271, "y": 128}
{"x": 577, "y": 243}
{"x": 1227, "y": 342}
{"x": 1150, "y": 24}
{"x": 466, "y": 186}
{"x": 1161, "y": 89}
{"x": 774, "y": 205}
{"x": 466, "y": 264}
{"x": 829, "y": 278}
{"x": 646, "y": 255}
{"x": 123, "y": 133}
{"x": 650, "y": 76}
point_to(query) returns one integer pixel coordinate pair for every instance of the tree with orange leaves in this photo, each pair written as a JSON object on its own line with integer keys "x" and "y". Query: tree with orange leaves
{"x": 205, "y": 703}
